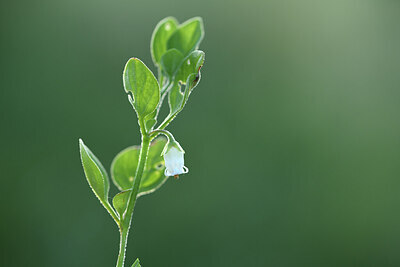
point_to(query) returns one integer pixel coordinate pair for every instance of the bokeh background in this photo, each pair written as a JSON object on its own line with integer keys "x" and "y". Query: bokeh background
{"x": 292, "y": 137}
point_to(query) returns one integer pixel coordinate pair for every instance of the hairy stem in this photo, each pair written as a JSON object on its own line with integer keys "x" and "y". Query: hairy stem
{"x": 155, "y": 133}
{"x": 125, "y": 221}
{"x": 122, "y": 248}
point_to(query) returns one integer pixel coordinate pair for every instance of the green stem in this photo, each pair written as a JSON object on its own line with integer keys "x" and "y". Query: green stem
{"x": 122, "y": 248}
{"x": 155, "y": 133}
{"x": 159, "y": 76}
{"x": 164, "y": 92}
{"x": 168, "y": 120}
{"x": 125, "y": 221}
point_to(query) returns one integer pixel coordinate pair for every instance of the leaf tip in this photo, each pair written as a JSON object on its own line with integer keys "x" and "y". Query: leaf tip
{"x": 167, "y": 19}
{"x": 136, "y": 263}
{"x": 81, "y": 144}
{"x": 200, "y": 19}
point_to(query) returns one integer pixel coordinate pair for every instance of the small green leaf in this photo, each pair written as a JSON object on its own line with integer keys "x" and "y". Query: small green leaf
{"x": 136, "y": 263}
{"x": 123, "y": 168}
{"x": 161, "y": 34}
{"x": 95, "y": 173}
{"x": 151, "y": 121}
{"x": 177, "y": 98}
{"x": 120, "y": 201}
{"x": 188, "y": 36}
{"x": 189, "y": 76}
{"x": 142, "y": 87}
{"x": 171, "y": 61}
{"x": 191, "y": 64}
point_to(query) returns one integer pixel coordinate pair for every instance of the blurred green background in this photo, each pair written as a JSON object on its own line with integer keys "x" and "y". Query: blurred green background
{"x": 292, "y": 137}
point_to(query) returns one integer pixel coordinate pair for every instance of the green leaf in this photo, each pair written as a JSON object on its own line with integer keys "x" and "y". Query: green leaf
{"x": 171, "y": 61}
{"x": 136, "y": 263}
{"x": 151, "y": 121}
{"x": 189, "y": 76}
{"x": 161, "y": 34}
{"x": 191, "y": 65}
{"x": 141, "y": 86}
{"x": 95, "y": 173}
{"x": 120, "y": 201}
{"x": 188, "y": 36}
{"x": 123, "y": 168}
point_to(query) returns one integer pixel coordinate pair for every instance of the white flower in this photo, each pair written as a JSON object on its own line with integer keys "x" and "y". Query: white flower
{"x": 174, "y": 162}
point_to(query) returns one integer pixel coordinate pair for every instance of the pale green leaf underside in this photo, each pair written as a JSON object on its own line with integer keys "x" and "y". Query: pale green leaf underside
{"x": 159, "y": 39}
{"x": 95, "y": 173}
{"x": 120, "y": 201}
{"x": 123, "y": 168}
{"x": 140, "y": 82}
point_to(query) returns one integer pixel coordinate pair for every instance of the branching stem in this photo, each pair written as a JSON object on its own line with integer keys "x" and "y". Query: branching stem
{"x": 126, "y": 219}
